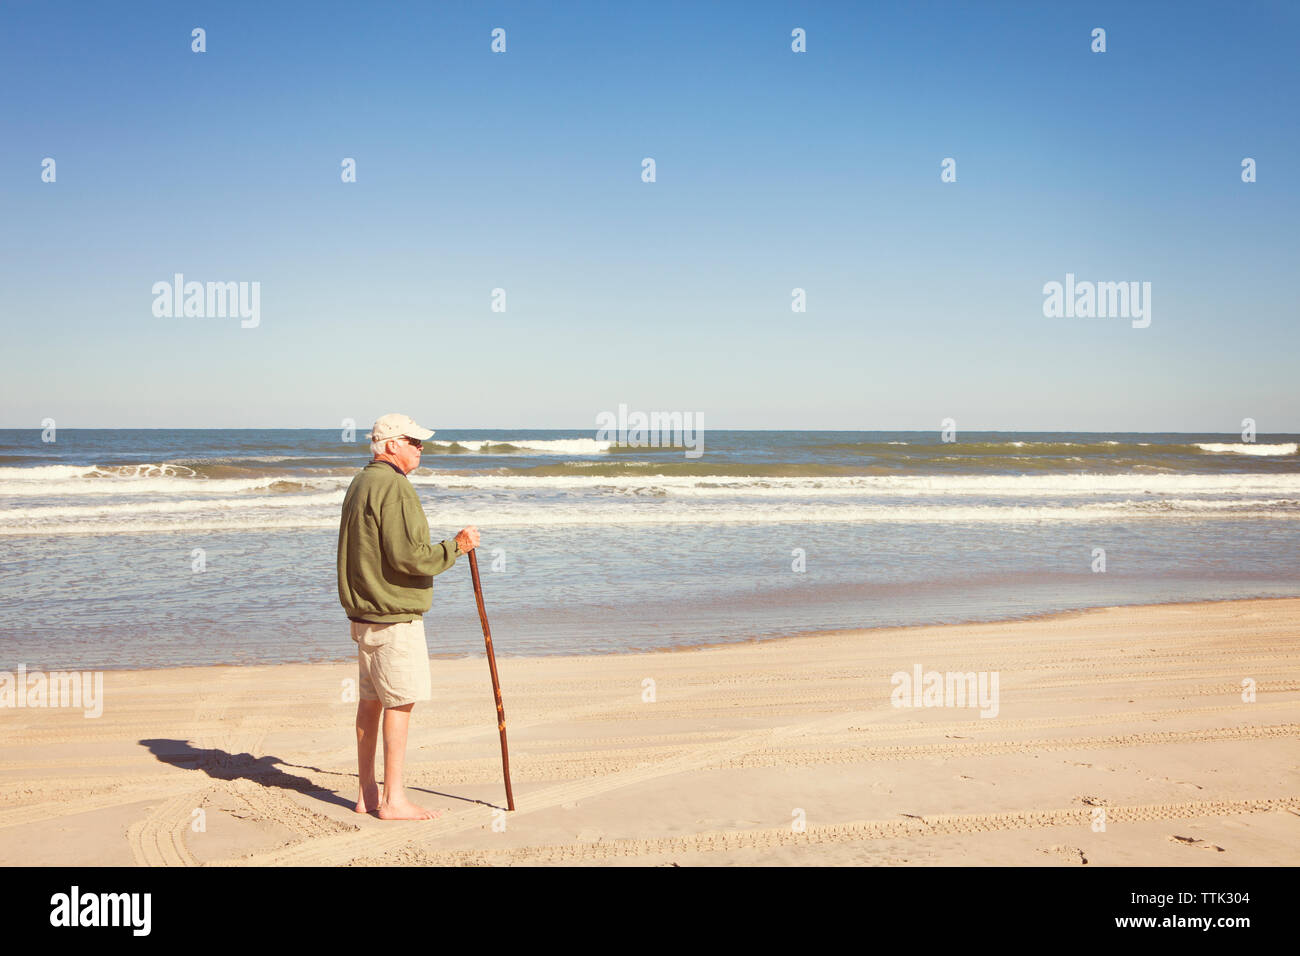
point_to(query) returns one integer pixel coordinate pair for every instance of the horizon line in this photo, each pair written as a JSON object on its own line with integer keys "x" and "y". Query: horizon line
{"x": 334, "y": 428}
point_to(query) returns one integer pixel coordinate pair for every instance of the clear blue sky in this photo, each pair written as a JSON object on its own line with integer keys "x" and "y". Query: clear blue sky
{"x": 775, "y": 170}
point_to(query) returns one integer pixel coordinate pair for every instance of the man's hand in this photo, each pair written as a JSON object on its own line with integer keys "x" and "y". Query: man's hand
{"x": 467, "y": 539}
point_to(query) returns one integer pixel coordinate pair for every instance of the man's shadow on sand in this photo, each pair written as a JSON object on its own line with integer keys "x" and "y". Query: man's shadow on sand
{"x": 222, "y": 765}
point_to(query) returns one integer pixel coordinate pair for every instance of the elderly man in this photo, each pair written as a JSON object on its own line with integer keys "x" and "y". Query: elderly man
{"x": 386, "y": 566}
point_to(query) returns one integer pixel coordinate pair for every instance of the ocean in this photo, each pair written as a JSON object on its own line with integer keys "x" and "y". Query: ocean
{"x": 129, "y": 548}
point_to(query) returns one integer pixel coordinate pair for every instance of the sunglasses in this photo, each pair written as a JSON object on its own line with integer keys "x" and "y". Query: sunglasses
{"x": 414, "y": 441}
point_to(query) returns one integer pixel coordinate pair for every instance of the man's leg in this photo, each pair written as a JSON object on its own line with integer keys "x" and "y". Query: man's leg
{"x": 367, "y": 742}
{"x": 395, "y": 805}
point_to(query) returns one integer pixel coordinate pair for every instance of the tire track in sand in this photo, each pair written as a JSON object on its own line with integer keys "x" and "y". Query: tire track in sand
{"x": 382, "y": 838}
{"x": 371, "y": 842}
{"x": 159, "y": 839}
{"x": 838, "y": 747}
{"x": 838, "y": 833}
{"x": 909, "y": 728}
{"x": 274, "y": 805}
{"x": 804, "y": 757}
{"x": 114, "y": 795}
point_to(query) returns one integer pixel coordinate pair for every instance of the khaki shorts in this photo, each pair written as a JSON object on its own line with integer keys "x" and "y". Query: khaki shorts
{"x": 393, "y": 662}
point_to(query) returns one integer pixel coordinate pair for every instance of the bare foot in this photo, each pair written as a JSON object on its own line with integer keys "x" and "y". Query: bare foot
{"x": 406, "y": 810}
{"x": 369, "y": 800}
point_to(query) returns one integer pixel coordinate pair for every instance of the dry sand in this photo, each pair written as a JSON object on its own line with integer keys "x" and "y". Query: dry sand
{"x": 1137, "y": 711}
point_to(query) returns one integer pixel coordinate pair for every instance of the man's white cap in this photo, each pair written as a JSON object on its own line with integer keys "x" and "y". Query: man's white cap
{"x": 395, "y": 426}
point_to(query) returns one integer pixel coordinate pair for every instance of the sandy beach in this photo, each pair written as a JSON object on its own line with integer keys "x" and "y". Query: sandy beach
{"x": 1121, "y": 738}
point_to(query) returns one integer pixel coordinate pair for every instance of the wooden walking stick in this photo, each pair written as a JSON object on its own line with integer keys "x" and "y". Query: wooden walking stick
{"x": 496, "y": 684}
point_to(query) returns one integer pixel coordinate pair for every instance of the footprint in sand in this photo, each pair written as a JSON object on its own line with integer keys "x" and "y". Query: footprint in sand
{"x": 1196, "y": 842}
{"x": 1070, "y": 854}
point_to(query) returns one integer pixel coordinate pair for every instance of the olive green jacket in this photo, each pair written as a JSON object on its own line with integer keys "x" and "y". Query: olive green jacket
{"x": 386, "y": 562}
